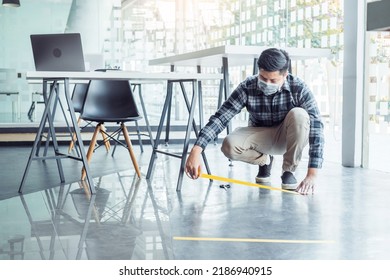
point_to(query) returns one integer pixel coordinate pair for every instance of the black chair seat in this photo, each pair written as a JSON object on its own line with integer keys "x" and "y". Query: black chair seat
{"x": 114, "y": 120}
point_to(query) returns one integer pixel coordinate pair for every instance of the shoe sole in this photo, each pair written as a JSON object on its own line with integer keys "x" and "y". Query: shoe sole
{"x": 263, "y": 180}
{"x": 289, "y": 186}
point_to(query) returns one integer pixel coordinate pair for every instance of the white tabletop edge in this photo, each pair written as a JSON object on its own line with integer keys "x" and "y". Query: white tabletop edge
{"x": 208, "y": 56}
{"x": 120, "y": 75}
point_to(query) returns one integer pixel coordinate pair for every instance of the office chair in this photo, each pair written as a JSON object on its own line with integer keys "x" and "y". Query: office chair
{"x": 110, "y": 101}
{"x": 78, "y": 98}
{"x": 137, "y": 131}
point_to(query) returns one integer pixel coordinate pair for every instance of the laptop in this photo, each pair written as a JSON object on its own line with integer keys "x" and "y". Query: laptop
{"x": 58, "y": 52}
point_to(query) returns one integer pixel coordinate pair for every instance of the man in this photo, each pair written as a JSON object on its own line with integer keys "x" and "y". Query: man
{"x": 283, "y": 119}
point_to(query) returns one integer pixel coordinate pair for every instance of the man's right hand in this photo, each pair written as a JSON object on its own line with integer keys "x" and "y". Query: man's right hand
{"x": 193, "y": 167}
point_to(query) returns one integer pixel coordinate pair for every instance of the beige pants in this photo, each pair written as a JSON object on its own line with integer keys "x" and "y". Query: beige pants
{"x": 289, "y": 138}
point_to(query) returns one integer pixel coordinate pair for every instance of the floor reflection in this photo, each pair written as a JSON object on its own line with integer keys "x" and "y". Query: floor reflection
{"x": 121, "y": 221}
{"x": 144, "y": 219}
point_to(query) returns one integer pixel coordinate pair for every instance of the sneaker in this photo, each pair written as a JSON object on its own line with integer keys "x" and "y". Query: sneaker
{"x": 288, "y": 181}
{"x": 264, "y": 174}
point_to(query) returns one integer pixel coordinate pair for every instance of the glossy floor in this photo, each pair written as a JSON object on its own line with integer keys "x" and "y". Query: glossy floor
{"x": 346, "y": 218}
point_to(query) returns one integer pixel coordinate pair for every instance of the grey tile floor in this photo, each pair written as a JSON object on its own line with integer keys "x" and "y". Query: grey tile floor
{"x": 346, "y": 218}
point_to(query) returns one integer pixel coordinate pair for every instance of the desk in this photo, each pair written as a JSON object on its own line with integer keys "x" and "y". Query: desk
{"x": 54, "y": 79}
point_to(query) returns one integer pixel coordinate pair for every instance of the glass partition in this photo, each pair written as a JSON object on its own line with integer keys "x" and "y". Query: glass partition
{"x": 154, "y": 29}
{"x": 377, "y": 149}
{"x": 127, "y": 34}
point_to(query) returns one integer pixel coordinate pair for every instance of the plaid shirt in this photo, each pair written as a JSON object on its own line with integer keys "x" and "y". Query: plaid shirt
{"x": 269, "y": 111}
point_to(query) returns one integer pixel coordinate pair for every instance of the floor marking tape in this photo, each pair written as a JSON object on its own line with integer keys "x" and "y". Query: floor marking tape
{"x": 224, "y": 179}
{"x": 253, "y": 240}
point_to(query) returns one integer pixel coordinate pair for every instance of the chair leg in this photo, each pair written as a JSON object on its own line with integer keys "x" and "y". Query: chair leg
{"x": 91, "y": 149}
{"x": 130, "y": 148}
{"x": 139, "y": 139}
{"x": 106, "y": 141}
{"x": 71, "y": 144}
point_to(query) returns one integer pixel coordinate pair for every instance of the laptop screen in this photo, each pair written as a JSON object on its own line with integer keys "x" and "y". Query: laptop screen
{"x": 58, "y": 52}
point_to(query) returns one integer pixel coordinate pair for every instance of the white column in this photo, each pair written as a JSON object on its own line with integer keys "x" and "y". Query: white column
{"x": 353, "y": 82}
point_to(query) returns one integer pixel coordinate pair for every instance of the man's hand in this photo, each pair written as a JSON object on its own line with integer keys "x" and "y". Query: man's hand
{"x": 308, "y": 183}
{"x": 192, "y": 168}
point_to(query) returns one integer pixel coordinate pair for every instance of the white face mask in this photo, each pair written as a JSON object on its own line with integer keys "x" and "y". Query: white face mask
{"x": 268, "y": 88}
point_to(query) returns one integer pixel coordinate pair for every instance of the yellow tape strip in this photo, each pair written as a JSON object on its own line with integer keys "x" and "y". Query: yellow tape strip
{"x": 254, "y": 240}
{"x": 224, "y": 179}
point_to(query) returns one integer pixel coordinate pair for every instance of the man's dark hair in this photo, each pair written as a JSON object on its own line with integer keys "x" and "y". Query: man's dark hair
{"x": 274, "y": 59}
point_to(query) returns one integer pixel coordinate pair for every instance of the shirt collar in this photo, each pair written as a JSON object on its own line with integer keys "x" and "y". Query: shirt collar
{"x": 286, "y": 84}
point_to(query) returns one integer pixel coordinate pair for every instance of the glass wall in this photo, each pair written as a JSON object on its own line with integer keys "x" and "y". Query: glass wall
{"x": 377, "y": 150}
{"x": 158, "y": 28}
{"x": 126, "y": 34}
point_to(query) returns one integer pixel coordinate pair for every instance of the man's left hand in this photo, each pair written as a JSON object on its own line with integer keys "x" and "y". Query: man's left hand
{"x": 308, "y": 184}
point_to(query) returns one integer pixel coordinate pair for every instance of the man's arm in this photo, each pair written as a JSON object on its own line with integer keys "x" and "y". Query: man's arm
{"x": 217, "y": 122}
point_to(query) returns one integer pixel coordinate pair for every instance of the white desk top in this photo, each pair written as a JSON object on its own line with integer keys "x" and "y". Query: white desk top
{"x": 237, "y": 55}
{"x": 120, "y": 75}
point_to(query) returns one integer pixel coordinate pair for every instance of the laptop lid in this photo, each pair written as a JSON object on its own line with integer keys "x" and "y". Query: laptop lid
{"x": 58, "y": 52}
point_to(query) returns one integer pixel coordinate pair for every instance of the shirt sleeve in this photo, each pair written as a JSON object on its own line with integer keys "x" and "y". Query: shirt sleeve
{"x": 316, "y": 134}
{"x": 218, "y": 122}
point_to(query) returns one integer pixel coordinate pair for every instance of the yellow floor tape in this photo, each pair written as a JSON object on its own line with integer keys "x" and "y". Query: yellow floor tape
{"x": 256, "y": 240}
{"x": 224, "y": 179}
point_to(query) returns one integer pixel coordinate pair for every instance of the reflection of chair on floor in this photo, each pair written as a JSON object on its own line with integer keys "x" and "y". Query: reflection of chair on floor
{"x": 88, "y": 220}
{"x": 79, "y": 225}
{"x": 114, "y": 237}
{"x": 82, "y": 204}
{"x": 78, "y": 98}
{"x": 110, "y": 101}
{"x": 61, "y": 223}
{"x": 90, "y": 210}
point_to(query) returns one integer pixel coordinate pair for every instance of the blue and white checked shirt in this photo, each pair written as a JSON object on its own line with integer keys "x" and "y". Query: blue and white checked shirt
{"x": 269, "y": 111}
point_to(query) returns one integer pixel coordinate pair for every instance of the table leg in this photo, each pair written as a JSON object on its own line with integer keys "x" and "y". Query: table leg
{"x": 201, "y": 120}
{"x": 167, "y": 102}
{"x": 79, "y": 140}
{"x": 226, "y": 82}
{"x": 38, "y": 136}
{"x": 188, "y": 105}
{"x": 188, "y": 132}
{"x": 168, "y": 126}
{"x": 145, "y": 115}
{"x": 50, "y": 118}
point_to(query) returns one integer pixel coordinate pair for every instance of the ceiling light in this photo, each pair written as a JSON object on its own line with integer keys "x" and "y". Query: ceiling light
{"x": 11, "y": 3}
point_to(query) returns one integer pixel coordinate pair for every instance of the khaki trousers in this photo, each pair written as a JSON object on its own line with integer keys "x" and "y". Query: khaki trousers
{"x": 248, "y": 144}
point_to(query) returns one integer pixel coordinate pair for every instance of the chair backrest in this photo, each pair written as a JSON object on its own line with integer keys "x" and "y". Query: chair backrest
{"x": 110, "y": 100}
{"x": 78, "y": 96}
